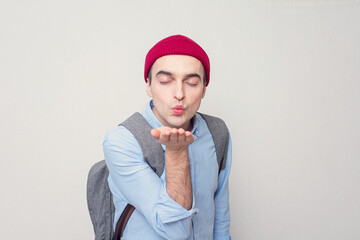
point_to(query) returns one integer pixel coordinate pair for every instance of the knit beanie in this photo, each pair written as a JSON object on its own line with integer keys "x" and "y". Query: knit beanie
{"x": 177, "y": 45}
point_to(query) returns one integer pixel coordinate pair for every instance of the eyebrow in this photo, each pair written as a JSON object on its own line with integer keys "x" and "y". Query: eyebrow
{"x": 164, "y": 72}
{"x": 192, "y": 75}
{"x": 170, "y": 74}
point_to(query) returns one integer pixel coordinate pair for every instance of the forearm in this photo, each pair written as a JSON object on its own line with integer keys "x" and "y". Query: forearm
{"x": 178, "y": 177}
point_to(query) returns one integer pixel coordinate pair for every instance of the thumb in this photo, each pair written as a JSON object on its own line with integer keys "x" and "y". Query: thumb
{"x": 155, "y": 133}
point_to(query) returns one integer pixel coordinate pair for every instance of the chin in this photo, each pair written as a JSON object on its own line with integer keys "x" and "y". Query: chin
{"x": 179, "y": 123}
{"x": 176, "y": 124}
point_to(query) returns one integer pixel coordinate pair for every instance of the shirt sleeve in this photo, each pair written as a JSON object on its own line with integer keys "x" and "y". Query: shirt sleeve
{"x": 222, "y": 211}
{"x": 142, "y": 187}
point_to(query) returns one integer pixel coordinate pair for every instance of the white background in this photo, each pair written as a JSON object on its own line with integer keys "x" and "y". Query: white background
{"x": 285, "y": 76}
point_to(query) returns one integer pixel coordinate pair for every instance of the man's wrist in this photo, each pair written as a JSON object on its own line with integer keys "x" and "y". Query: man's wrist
{"x": 177, "y": 155}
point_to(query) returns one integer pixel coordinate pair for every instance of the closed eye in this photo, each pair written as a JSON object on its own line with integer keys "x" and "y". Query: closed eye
{"x": 192, "y": 81}
{"x": 191, "y": 84}
{"x": 164, "y": 82}
{"x": 164, "y": 77}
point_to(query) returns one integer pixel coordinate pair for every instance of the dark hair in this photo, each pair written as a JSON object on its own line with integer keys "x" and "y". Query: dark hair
{"x": 149, "y": 76}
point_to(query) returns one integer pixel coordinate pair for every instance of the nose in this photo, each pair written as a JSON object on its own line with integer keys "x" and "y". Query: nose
{"x": 179, "y": 91}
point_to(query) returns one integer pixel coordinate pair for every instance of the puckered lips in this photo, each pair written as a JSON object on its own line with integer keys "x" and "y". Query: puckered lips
{"x": 178, "y": 109}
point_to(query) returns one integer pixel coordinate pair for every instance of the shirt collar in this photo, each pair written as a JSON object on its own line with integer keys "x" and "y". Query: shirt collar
{"x": 155, "y": 123}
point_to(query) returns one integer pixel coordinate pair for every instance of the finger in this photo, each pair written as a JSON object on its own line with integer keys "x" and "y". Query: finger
{"x": 164, "y": 136}
{"x": 155, "y": 133}
{"x": 174, "y": 135}
{"x": 181, "y": 135}
{"x": 187, "y": 134}
{"x": 189, "y": 137}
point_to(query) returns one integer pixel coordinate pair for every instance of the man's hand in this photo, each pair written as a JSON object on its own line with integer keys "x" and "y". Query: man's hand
{"x": 178, "y": 177}
{"x": 175, "y": 140}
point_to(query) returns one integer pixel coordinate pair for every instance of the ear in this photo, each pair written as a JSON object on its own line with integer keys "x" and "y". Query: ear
{"x": 148, "y": 88}
{"x": 204, "y": 91}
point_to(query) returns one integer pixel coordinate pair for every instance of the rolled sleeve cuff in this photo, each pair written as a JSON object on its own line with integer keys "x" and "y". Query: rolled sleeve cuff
{"x": 170, "y": 211}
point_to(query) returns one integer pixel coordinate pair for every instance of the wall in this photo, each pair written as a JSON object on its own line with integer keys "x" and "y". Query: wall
{"x": 284, "y": 76}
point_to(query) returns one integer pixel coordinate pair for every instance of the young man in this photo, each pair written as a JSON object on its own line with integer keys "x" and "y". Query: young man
{"x": 190, "y": 200}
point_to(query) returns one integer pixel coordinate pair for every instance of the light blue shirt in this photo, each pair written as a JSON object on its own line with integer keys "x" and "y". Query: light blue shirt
{"x": 156, "y": 215}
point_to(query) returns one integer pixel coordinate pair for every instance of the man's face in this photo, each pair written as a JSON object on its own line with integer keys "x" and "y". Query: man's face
{"x": 176, "y": 89}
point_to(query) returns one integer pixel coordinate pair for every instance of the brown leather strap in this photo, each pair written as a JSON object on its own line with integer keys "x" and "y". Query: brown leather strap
{"x": 124, "y": 218}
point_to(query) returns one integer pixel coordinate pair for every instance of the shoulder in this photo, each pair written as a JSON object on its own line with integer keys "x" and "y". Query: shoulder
{"x": 120, "y": 140}
{"x": 218, "y": 130}
{"x": 124, "y": 131}
{"x": 213, "y": 123}
{"x": 119, "y": 133}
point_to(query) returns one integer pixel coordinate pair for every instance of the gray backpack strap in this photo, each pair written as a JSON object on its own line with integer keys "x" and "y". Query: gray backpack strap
{"x": 100, "y": 201}
{"x": 220, "y": 135}
{"x": 153, "y": 155}
{"x": 152, "y": 151}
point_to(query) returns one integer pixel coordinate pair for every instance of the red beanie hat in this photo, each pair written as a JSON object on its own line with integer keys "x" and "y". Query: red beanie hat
{"x": 177, "y": 45}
